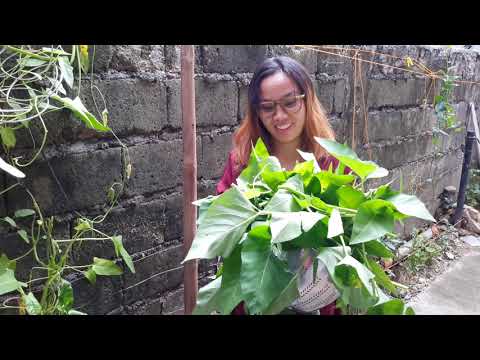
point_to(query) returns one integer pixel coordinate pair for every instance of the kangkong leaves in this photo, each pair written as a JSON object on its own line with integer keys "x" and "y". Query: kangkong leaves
{"x": 224, "y": 224}
{"x": 373, "y": 220}
{"x": 410, "y": 205}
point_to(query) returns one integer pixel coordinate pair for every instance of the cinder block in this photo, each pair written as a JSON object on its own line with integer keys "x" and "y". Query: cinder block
{"x": 231, "y": 59}
{"x": 215, "y": 150}
{"x": 85, "y": 178}
{"x": 156, "y": 167}
{"x": 306, "y": 57}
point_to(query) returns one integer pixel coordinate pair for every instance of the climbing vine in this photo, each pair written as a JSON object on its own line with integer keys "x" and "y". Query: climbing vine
{"x": 35, "y": 82}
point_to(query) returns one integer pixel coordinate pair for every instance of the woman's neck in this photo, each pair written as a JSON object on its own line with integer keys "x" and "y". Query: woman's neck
{"x": 287, "y": 154}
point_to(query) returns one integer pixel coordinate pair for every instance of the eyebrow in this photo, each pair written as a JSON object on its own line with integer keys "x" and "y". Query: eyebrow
{"x": 284, "y": 96}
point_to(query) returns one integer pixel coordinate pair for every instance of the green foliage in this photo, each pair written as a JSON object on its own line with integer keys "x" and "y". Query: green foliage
{"x": 422, "y": 254}
{"x": 306, "y": 208}
{"x": 32, "y": 86}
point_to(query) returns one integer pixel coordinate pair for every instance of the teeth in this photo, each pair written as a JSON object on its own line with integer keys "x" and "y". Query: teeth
{"x": 283, "y": 127}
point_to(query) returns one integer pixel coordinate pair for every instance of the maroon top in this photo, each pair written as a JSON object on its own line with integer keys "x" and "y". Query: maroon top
{"x": 229, "y": 176}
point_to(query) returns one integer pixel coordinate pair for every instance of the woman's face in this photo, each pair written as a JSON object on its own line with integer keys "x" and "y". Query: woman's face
{"x": 285, "y": 120}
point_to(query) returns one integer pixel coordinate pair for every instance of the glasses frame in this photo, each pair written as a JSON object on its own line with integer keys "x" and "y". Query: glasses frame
{"x": 279, "y": 102}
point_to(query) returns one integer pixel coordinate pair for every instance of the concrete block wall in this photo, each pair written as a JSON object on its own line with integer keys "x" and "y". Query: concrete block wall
{"x": 141, "y": 85}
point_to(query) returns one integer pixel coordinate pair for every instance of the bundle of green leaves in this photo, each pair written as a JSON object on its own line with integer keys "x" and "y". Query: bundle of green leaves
{"x": 271, "y": 211}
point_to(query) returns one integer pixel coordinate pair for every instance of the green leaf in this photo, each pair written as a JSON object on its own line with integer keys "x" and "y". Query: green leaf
{"x": 378, "y": 173}
{"x": 285, "y": 298}
{"x": 82, "y": 225}
{"x": 348, "y": 157}
{"x": 10, "y": 221}
{"x": 32, "y": 305}
{"x": 55, "y": 51}
{"x": 380, "y": 277}
{"x": 5, "y": 263}
{"x": 223, "y": 226}
{"x": 335, "y": 225}
{"x": 8, "y": 282}
{"x": 373, "y": 220}
{"x": 392, "y": 307}
{"x": 286, "y": 226}
{"x": 410, "y": 205}
{"x": 120, "y": 250}
{"x": 384, "y": 192}
{"x": 23, "y": 213}
{"x": 65, "y": 295}
{"x": 331, "y": 256}
{"x": 31, "y": 62}
{"x": 258, "y": 154}
{"x": 282, "y": 201}
{"x": 409, "y": 311}
{"x": 327, "y": 178}
{"x": 90, "y": 275}
{"x": 349, "y": 197}
{"x": 231, "y": 293}
{"x": 310, "y": 157}
{"x": 203, "y": 205}
{"x": 105, "y": 267}
{"x": 376, "y": 248}
{"x": 82, "y": 113}
{"x": 8, "y": 137}
{"x": 349, "y": 270}
{"x": 207, "y": 298}
{"x": 23, "y": 235}
{"x": 67, "y": 70}
{"x": 263, "y": 276}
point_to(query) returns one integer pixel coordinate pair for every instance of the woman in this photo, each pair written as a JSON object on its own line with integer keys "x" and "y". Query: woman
{"x": 285, "y": 112}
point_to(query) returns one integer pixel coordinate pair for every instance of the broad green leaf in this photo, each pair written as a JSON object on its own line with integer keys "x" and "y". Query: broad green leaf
{"x": 304, "y": 169}
{"x": 273, "y": 178}
{"x": 294, "y": 184}
{"x": 313, "y": 238}
{"x": 67, "y": 70}
{"x": 65, "y": 295}
{"x": 392, "y": 307}
{"x": 203, "y": 205}
{"x": 105, "y": 267}
{"x": 348, "y": 157}
{"x": 23, "y": 213}
{"x": 90, "y": 275}
{"x": 310, "y": 157}
{"x": 376, "y": 248}
{"x": 8, "y": 137}
{"x": 314, "y": 187}
{"x": 309, "y": 219}
{"x": 8, "y": 282}
{"x": 384, "y": 192}
{"x": 285, "y": 298}
{"x": 10, "y": 221}
{"x": 32, "y": 305}
{"x": 335, "y": 225}
{"x": 373, "y": 220}
{"x": 327, "y": 178}
{"x": 55, "y": 51}
{"x": 120, "y": 250}
{"x": 263, "y": 276}
{"x": 257, "y": 155}
{"x": 344, "y": 273}
{"x": 380, "y": 277}
{"x": 331, "y": 256}
{"x": 5, "y": 263}
{"x": 207, "y": 298}
{"x": 411, "y": 205}
{"x": 82, "y": 113}
{"x": 282, "y": 201}
{"x": 349, "y": 197}
{"x": 223, "y": 226}
{"x": 231, "y": 294}
{"x": 11, "y": 169}
{"x": 285, "y": 226}
{"x": 23, "y": 235}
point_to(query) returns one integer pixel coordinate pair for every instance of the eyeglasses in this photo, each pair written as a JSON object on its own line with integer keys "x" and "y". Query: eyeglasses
{"x": 289, "y": 104}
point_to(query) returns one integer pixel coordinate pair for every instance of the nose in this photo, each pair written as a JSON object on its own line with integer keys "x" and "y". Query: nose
{"x": 279, "y": 113}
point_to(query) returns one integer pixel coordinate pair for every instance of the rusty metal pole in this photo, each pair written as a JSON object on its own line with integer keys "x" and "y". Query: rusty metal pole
{"x": 190, "y": 275}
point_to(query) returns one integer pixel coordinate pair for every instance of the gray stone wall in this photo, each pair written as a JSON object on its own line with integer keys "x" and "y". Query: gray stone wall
{"x": 141, "y": 85}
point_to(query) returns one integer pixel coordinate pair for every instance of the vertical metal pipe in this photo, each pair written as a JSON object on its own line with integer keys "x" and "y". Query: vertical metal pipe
{"x": 190, "y": 277}
{"x": 464, "y": 177}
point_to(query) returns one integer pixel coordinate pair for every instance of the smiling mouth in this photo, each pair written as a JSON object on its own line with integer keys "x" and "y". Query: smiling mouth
{"x": 284, "y": 126}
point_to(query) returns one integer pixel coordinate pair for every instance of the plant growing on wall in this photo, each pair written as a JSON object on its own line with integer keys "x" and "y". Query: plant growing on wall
{"x": 271, "y": 212}
{"x": 35, "y": 82}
